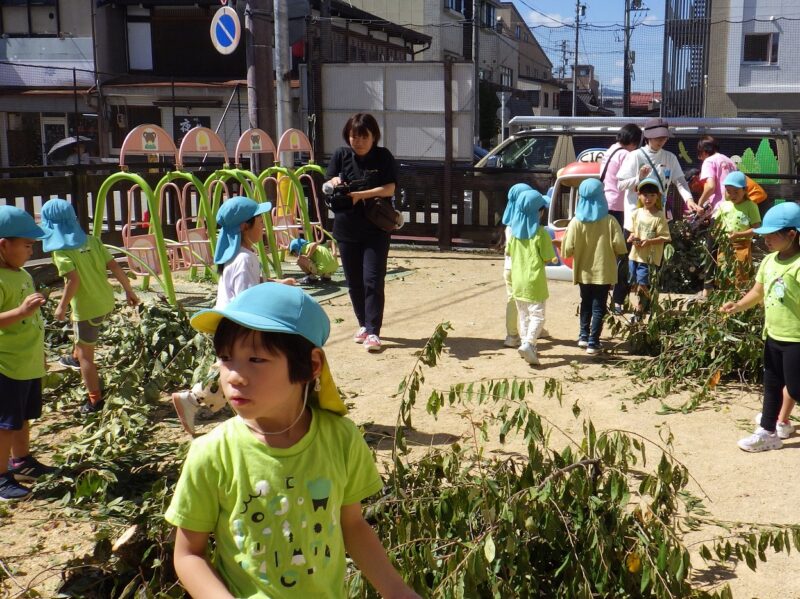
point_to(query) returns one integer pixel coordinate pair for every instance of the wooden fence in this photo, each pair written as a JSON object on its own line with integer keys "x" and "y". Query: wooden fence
{"x": 469, "y": 219}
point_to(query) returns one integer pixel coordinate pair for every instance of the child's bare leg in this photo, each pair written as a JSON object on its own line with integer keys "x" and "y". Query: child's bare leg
{"x": 20, "y": 441}
{"x": 6, "y": 440}
{"x": 786, "y": 407}
{"x": 85, "y": 355}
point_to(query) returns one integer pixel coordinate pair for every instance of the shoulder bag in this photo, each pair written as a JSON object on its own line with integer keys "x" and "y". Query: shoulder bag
{"x": 381, "y": 213}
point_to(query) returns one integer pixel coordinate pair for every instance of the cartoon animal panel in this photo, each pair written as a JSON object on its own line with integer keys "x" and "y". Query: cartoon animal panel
{"x": 147, "y": 140}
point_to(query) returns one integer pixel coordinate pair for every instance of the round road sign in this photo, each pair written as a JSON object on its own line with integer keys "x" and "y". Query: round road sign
{"x": 225, "y": 30}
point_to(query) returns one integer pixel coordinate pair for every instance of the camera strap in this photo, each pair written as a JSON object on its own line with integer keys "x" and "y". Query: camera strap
{"x": 654, "y": 170}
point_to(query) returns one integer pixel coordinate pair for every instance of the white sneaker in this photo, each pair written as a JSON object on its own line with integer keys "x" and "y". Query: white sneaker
{"x": 186, "y": 406}
{"x": 583, "y": 343}
{"x": 761, "y": 440}
{"x": 528, "y": 352}
{"x": 512, "y": 341}
{"x": 360, "y": 335}
{"x": 372, "y": 343}
{"x": 784, "y": 430}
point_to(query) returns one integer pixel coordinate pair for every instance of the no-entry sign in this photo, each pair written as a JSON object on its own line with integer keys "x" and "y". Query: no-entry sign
{"x": 225, "y": 30}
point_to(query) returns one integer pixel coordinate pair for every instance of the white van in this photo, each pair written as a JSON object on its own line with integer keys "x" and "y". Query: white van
{"x": 546, "y": 144}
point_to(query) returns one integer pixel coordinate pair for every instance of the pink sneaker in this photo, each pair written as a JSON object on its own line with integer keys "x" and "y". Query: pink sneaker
{"x": 360, "y": 335}
{"x": 372, "y": 343}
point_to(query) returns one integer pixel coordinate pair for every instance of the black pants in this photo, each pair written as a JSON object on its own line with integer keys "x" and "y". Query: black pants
{"x": 593, "y": 309}
{"x": 364, "y": 265}
{"x": 781, "y": 361}
{"x": 622, "y": 288}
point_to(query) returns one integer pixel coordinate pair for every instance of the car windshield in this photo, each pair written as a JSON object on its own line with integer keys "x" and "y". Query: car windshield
{"x": 528, "y": 153}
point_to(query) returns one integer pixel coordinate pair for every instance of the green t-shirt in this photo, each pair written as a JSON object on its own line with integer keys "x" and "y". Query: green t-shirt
{"x": 94, "y": 297}
{"x": 737, "y": 217}
{"x": 528, "y": 259}
{"x": 323, "y": 259}
{"x": 646, "y": 225}
{"x": 595, "y": 247}
{"x": 781, "y": 281}
{"x": 22, "y": 343}
{"x": 275, "y": 513}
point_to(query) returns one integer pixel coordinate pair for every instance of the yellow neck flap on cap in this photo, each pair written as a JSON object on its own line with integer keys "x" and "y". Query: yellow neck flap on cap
{"x": 329, "y": 398}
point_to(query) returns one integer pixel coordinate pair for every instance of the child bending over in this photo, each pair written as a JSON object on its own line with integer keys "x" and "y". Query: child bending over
{"x": 314, "y": 259}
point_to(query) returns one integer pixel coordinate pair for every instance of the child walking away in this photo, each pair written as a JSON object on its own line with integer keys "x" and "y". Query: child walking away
{"x": 21, "y": 353}
{"x": 83, "y": 261}
{"x": 279, "y": 486}
{"x": 649, "y": 233}
{"x": 594, "y": 239}
{"x": 512, "y": 317}
{"x": 314, "y": 259}
{"x": 738, "y": 216}
{"x": 778, "y": 287}
{"x": 530, "y": 248}
{"x": 241, "y": 228}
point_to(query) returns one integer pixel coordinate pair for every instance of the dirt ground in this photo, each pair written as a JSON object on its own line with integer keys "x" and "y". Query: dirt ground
{"x": 467, "y": 290}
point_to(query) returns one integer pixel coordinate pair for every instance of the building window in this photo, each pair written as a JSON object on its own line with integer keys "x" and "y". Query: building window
{"x": 455, "y": 5}
{"x": 517, "y": 31}
{"x": 525, "y": 38}
{"x": 761, "y": 48}
{"x": 555, "y": 100}
{"x": 489, "y": 15}
{"x": 546, "y": 97}
{"x": 30, "y": 18}
{"x": 506, "y": 76}
{"x": 534, "y": 95}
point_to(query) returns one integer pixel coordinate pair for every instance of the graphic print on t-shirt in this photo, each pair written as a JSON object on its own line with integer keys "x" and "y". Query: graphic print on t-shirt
{"x": 285, "y": 534}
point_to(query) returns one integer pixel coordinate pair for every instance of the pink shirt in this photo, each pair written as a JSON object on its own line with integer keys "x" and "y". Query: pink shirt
{"x": 614, "y": 196}
{"x": 716, "y": 166}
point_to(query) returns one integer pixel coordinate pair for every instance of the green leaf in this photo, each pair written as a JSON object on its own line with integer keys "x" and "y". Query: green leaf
{"x": 489, "y": 549}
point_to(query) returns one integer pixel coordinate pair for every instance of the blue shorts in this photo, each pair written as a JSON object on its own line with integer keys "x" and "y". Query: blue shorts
{"x": 21, "y": 401}
{"x": 639, "y": 273}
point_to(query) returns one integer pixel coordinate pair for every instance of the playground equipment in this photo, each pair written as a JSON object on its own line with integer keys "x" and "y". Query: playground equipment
{"x": 147, "y": 252}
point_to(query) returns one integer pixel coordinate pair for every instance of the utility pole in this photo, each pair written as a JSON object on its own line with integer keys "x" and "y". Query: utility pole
{"x": 580, "y": 10}
{"x": 282, "y": 67}
{"x": 626, "y": 85}
{"x": 476, "y": 20}
{"x": 258, "y": 24}
{"x": 562, "y": 71}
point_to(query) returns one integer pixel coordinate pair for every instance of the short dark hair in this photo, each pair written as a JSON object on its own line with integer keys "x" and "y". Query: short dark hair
{"x": 708, "y": 144}
{"x": 629, "y": 134}
{"x": 360, "y": 124}
{"x": 649, "y": 188}
{"x": 297, "y": 349}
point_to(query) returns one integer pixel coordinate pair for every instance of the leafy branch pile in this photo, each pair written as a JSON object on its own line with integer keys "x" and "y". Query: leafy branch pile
{"x": 689, "y": 344}
{"x": 583, "y": 521}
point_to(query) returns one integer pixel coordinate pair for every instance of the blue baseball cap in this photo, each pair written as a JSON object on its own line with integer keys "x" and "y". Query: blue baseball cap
{"x": 61, "y": 224}
{"x": 230, "y": 217}
{"x": 15, "y": 222}
{"x": 296, "y": 246}
{"x": 736, "y": 179}
{"x": 782, "y": 216}
{"x": 273, "y": 307}
{"x": 279, "y": 308}
{"x": 649, "y": 181}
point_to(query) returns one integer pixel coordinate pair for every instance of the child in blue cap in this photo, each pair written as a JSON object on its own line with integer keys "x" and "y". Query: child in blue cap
{"x": 512, "y": 317}
{"x": 314, "y": 259}
{"x": 241, "y": 228}
{"x": 530, "y": 248}
{"x": 21, "y": 353}
{"x": 595, "y": 239}
{"x": 280, "y": 485}
{"x": 738, "y": 216}
{"x": 83, "y": 261}
{"x": 778, "y": 287}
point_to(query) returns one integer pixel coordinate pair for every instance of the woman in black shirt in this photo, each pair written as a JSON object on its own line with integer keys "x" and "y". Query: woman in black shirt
{"x": 364, "y": 248}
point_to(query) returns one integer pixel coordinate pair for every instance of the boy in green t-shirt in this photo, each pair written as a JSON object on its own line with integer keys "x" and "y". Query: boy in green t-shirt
{"x": 314, "y": 259}
{"x": 82, "y": 260}
{"x": 21, "y": 353}
{"x": 738, "y": 215}
{"x": 280, "y": 485}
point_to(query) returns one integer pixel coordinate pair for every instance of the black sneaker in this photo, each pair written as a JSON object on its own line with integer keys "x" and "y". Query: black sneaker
{"x": 10, "y": 489}
{"x": 69, "y": 362}
{"x": 92, "y": 408}
{"x": 29, "y": 470}
{"x": 309, "y": 280}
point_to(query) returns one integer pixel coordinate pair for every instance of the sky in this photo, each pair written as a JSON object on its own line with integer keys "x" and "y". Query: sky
{"x": 602, "y": 44}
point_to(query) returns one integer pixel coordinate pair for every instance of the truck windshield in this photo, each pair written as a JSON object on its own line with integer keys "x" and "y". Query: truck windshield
{"x": 527, "y": 153}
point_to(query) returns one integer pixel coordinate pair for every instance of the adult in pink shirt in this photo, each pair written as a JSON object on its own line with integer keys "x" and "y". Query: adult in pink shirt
{"x": 629, "y": 138}
{"x": 715, "y": 168}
